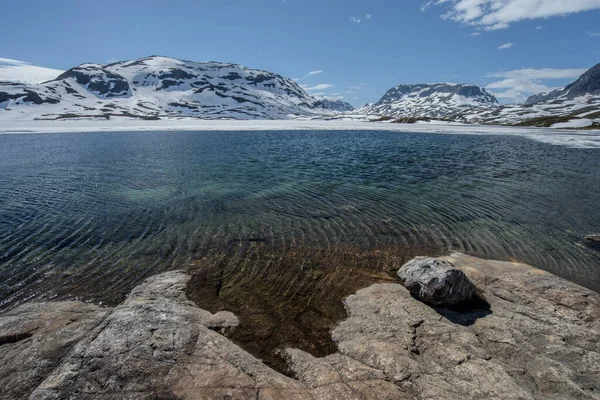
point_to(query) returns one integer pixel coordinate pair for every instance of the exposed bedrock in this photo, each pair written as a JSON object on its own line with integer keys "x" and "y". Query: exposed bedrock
{"x": 528, "y": 335}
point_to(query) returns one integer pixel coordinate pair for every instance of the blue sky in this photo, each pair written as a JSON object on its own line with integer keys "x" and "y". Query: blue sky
{"x": 355, "y": 49}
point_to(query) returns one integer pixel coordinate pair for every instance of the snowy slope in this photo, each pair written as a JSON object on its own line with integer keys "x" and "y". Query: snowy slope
{"x": 22, "y": 72}
{"x": 438, "y": 100}
{"x": 586, "y": 106}
{"x": 575, "y": 106}
{"x": 159, "y": 87}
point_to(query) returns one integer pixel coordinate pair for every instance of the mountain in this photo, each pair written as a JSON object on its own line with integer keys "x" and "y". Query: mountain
{"x": 438, "y": 100}
{"x": 587, "y": 84}
{"x": 334, "y": 104}
{"x": 577, "y": 105}
{"x": 158, "y": 87}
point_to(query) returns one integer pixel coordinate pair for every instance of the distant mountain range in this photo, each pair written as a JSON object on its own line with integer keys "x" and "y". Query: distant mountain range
{"x": 575, "y": 106}
{"x": 160, "y": 87}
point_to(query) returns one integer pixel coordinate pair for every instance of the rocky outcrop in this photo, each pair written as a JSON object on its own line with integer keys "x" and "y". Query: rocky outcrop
{"x": 436, "y": 282}
{"x": 531, "y": 335}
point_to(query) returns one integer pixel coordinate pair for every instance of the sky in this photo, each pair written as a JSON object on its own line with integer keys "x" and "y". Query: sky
{"x": 351, "y": 49}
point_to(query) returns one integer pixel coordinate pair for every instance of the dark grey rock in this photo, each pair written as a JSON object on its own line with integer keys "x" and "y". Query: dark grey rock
{"x": 436, "y": 282}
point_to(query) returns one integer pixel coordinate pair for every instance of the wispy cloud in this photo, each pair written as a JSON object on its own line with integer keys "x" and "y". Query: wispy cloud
{"x": 594, "y": 34}
{"x": 539, "y": 27}
{"x": 517, "y": 85}
{"x": 506, "y": 46}
{"x": 368, "y": 16}
{"x": 499, "y": 14}
{"x": 355, "y": 20}
{"x": 24, "y": 72}
{"x": 311, "y": 73}
{"x": 474, "y": 34}
{"x": 321, "y": 86}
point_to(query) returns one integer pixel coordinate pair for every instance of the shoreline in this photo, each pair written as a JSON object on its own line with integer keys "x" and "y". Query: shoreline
{"x": 563, "y": 137}
{"x": 536, "y": 339}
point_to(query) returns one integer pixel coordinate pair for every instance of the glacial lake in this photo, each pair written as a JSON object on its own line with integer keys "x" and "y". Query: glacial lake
{"x": 90, "y": 215}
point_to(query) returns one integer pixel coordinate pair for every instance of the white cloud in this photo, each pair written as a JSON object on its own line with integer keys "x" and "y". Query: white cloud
{"x": 594, "y": 34}
{"x": 539, "y": 27}
{"x": 23, "y": 72}
{"x": 354, "y": 19}
{"x": 474, "y": 34}
{"x": 517, "y": 85}
{"x": 506, "y": 46}
{"x": 368, "y": 16}
{"x": 499, "y": 14}
{"x": 311, "y": 73}
{"x": 321, "y": 86}
{"x": 541, "y": 73}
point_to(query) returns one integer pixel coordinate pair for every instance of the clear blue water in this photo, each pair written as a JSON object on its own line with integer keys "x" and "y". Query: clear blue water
{"x": 101, "y": 211}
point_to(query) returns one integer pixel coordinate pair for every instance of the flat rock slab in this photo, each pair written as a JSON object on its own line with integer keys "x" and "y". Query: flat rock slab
{"x": 539, "y": 339}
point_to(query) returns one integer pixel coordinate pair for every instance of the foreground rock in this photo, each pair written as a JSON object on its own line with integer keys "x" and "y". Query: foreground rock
{"x": 436, "y": 282}
{"x": 535, "y": 336}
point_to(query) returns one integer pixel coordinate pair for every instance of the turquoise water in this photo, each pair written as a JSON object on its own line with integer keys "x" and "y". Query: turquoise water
{"x": 101, "y": 211}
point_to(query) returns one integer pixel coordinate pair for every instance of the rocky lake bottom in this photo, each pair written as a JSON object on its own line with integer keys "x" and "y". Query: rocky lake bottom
{"x": 279, "y": 227}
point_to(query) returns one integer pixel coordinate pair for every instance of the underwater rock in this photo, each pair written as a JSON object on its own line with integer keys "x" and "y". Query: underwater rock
{"x": 592, "y": 238}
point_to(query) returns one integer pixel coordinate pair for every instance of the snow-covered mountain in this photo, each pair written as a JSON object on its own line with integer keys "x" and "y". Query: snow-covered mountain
{"x": 438, "y": 100}
{"x": 577, "y": 105}
{"x": 158, "y": 87}
{"x": 333, "y": 104}
{"x": 587, "y": 84}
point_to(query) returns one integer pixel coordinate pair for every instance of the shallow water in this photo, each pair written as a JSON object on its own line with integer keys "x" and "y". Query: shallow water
{"x": 93, "y": 214}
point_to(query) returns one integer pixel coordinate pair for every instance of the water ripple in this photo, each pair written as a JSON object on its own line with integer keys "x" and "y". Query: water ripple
{"x": 94, "y": 214}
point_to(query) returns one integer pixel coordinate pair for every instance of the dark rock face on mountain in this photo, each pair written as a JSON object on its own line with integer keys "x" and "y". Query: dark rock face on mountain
{"x": 535, "y": 336}
{"x": 439, "y": 100}
{"x": 164, "y": 87}
{"x": 588, "y": 83}
{"x": 98, "y": 81}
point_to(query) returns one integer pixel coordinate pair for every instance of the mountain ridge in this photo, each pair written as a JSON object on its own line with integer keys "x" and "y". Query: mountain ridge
{"x": 577, "y": 105}
{"x": 430, "y": 100}
{"x": 159, "y": 87}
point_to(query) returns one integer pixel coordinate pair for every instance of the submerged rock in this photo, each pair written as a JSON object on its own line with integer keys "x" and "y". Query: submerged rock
{"x": 540, "y": 340}
{"x": 592, "y": 238}
{"x": 435, "y": 281}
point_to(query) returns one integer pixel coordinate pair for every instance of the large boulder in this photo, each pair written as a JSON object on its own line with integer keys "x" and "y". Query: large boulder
{"x": 435, "y": 281}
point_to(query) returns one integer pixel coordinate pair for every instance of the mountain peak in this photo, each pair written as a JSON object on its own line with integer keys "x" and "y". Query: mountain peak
{"x": 588, "y": 83}
{"x": 159, "y": 86}
{"x": 431, "y": 100}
